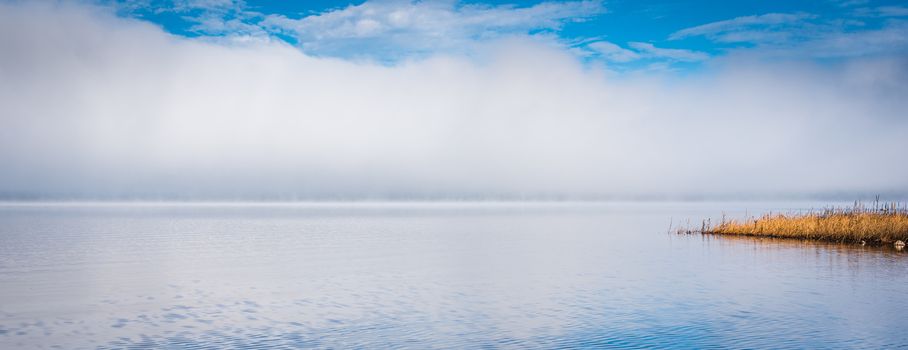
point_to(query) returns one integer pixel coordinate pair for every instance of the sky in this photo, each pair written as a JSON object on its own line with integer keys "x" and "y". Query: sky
{"x": 278, "y": 100}
{"x": 625, "y": 34}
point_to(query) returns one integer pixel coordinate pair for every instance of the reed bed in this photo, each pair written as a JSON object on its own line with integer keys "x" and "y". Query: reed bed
{"x": 879, "y": 223}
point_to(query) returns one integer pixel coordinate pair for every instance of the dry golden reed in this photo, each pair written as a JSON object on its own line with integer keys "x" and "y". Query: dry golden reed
{"x": 876, "y": 224}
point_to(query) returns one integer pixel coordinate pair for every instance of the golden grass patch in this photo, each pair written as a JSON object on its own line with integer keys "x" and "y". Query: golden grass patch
{"x": 879, "y": 224}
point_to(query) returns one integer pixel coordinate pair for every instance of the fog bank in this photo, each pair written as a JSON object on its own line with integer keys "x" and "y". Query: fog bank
{"x": 97, "y": 106}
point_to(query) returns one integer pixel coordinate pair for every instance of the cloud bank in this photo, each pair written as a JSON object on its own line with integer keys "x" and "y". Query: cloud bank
{"x": 96, "y": 106}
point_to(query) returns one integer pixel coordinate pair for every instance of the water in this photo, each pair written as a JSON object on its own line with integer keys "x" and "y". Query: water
{"x": 432, "y": 275}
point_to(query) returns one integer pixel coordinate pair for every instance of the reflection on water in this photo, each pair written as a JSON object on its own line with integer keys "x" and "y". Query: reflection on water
{"x": 431, "y": 275}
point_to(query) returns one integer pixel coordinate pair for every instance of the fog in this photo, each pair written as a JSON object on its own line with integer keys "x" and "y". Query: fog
{"x": 97, "y": 106}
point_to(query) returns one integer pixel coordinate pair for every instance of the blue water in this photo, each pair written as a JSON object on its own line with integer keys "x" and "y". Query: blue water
{"x": 432, "y": 275}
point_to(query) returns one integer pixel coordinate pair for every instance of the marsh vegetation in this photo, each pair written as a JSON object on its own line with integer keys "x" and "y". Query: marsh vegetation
{"x": 877, "y": 223}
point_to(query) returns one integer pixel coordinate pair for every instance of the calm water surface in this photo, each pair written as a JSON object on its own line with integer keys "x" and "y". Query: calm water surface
{"x": 432, "y": 275}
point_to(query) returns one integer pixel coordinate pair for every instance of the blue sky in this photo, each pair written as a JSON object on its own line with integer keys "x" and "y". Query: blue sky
{"x": 623, "y": 34}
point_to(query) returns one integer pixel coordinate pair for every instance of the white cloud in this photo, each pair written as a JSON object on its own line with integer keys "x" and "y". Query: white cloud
{"x": 612, "y": 52}
{"x": 95, "y": 105}
{"x": 235, "y": 27}
{"x": 747, "y": 28}
{"x": 881, "y": 11}
{"x": 230, "y": 18}
{"x": 423, "y": 27}
{"x": 177, "y": 6}
{"x": 891, "y": 39}
{"x": 210, "y": 5}
{"x": 683, "y": 55}
{"x": 849, "y": 3}
{"x": 804, "y": 36}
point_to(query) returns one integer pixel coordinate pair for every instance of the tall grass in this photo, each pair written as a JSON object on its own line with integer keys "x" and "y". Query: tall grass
{"x": 879, "y": 223}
